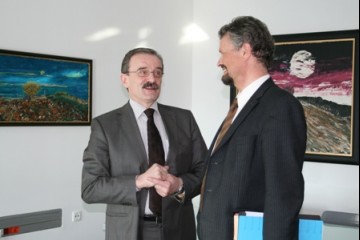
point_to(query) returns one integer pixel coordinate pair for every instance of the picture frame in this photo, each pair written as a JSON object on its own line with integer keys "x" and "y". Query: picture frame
{"x": 321, "y": 69}
{"x": 44, "y": 90}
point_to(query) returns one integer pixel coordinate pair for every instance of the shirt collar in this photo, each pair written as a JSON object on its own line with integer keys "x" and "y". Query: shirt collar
{"x": 139, "y": 109}
{"x": 251, "y": 89}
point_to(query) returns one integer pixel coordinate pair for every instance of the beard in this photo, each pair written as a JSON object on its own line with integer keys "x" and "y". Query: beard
{"x": 227, "y": 80}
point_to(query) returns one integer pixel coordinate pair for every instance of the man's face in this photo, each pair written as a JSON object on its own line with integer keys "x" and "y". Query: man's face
{"x": 229, "y": 60}
{"x": 143, "y": 89}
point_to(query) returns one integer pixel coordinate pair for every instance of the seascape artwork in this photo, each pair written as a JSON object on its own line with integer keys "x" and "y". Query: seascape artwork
{"x": 43, "y": 89}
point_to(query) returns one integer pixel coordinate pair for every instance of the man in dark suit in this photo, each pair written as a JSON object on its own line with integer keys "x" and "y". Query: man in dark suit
{"x": 257, "y": 165}
{"x": 116, "y": 168}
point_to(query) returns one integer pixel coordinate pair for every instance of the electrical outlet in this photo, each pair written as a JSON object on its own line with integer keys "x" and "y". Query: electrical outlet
{"x": 76, "y": 216}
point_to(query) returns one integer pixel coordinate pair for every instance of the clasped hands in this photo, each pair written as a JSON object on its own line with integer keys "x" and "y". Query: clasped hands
{"x": 157, "y": 176}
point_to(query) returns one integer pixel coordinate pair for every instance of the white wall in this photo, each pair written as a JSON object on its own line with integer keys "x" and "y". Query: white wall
{"x": 40, "y": 167}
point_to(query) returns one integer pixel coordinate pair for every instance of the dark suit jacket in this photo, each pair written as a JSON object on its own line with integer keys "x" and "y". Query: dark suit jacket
{"x": 116, "y": 154}
{"x": 257, "y": 167}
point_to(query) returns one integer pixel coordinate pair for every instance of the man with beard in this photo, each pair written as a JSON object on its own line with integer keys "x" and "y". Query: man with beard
{"x": 255, "y": 164}
{"x": 145, "y": 200}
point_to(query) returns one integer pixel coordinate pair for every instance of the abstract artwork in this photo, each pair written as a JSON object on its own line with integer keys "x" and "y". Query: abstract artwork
{"x": 321, "y": 70}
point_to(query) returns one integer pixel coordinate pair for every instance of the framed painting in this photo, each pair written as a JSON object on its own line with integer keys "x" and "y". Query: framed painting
{"x": 322, "y": 71}
{"x": 40, "y": 89}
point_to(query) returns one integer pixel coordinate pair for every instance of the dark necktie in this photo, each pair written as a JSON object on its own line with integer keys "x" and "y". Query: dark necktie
{"x": 156, "y": 155}
{"x": 224, "y": 129}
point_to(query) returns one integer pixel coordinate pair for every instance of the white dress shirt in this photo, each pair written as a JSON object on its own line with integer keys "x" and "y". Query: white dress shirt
{"x": 141, "y": 119}
{"x": 244, "y": 96}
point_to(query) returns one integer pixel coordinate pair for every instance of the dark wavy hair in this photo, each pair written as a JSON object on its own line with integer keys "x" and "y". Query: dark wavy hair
{"x": 125, "y": 63}
{"x": 247, "y": 29}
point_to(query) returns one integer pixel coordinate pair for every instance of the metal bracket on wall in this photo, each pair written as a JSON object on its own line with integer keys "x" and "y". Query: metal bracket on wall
{"x": 341, "y": 218}
{"x": 30, "y": 222}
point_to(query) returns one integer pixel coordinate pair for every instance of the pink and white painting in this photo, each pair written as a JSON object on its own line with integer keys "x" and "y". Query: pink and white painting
{"x": 321, "y": 74}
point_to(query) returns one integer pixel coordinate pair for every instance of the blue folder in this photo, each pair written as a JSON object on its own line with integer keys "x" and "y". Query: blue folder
{"x": 250, "y": 227}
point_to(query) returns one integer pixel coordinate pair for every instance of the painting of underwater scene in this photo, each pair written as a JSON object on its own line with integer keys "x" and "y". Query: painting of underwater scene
{"x": 38, "y": 89}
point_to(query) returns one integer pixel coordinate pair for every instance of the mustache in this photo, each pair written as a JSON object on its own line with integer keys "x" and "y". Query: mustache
{"x": 150, "y": 85}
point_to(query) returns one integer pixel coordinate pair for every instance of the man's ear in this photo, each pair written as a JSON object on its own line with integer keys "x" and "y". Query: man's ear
{"x": 246, "y": 49}
{"x": 124, "y": 79}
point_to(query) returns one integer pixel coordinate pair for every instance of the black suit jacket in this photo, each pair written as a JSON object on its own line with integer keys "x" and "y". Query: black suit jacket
{"x": 116, "y": 154}
{"x": 257, "y": 167}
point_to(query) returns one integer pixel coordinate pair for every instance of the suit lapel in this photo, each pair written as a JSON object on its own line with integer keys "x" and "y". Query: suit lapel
{"x": 250, "y": 105}
{"x": 169, "y": 120}
{"x": 131, "y": 131}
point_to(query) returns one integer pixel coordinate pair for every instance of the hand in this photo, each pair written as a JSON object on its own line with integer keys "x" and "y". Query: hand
{"x": 155, "y": 173}
{"x": 167, "y": 186}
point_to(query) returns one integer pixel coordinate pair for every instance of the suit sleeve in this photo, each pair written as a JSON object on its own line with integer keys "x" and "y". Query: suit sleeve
{"x": 193, "y": 178}
{"x": 98, "y": 185}
{"x": 283, "y": 142}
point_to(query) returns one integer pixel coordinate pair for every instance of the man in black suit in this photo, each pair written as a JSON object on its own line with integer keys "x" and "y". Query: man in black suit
{"x": 118, "y": 172}
{"x": 257, "y": 164}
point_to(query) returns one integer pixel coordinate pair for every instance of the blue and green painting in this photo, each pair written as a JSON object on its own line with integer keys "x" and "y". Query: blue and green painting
{"x": 39, "y": 89}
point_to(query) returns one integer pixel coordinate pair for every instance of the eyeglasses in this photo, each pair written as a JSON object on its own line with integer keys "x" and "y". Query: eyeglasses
{"x": 158, "y": 73}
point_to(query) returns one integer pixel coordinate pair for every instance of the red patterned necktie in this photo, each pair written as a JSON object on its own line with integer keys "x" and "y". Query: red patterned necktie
{"x": 156, "y": 155}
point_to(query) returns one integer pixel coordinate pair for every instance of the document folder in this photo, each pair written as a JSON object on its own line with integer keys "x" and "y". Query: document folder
{"x": 249, "y": 226}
